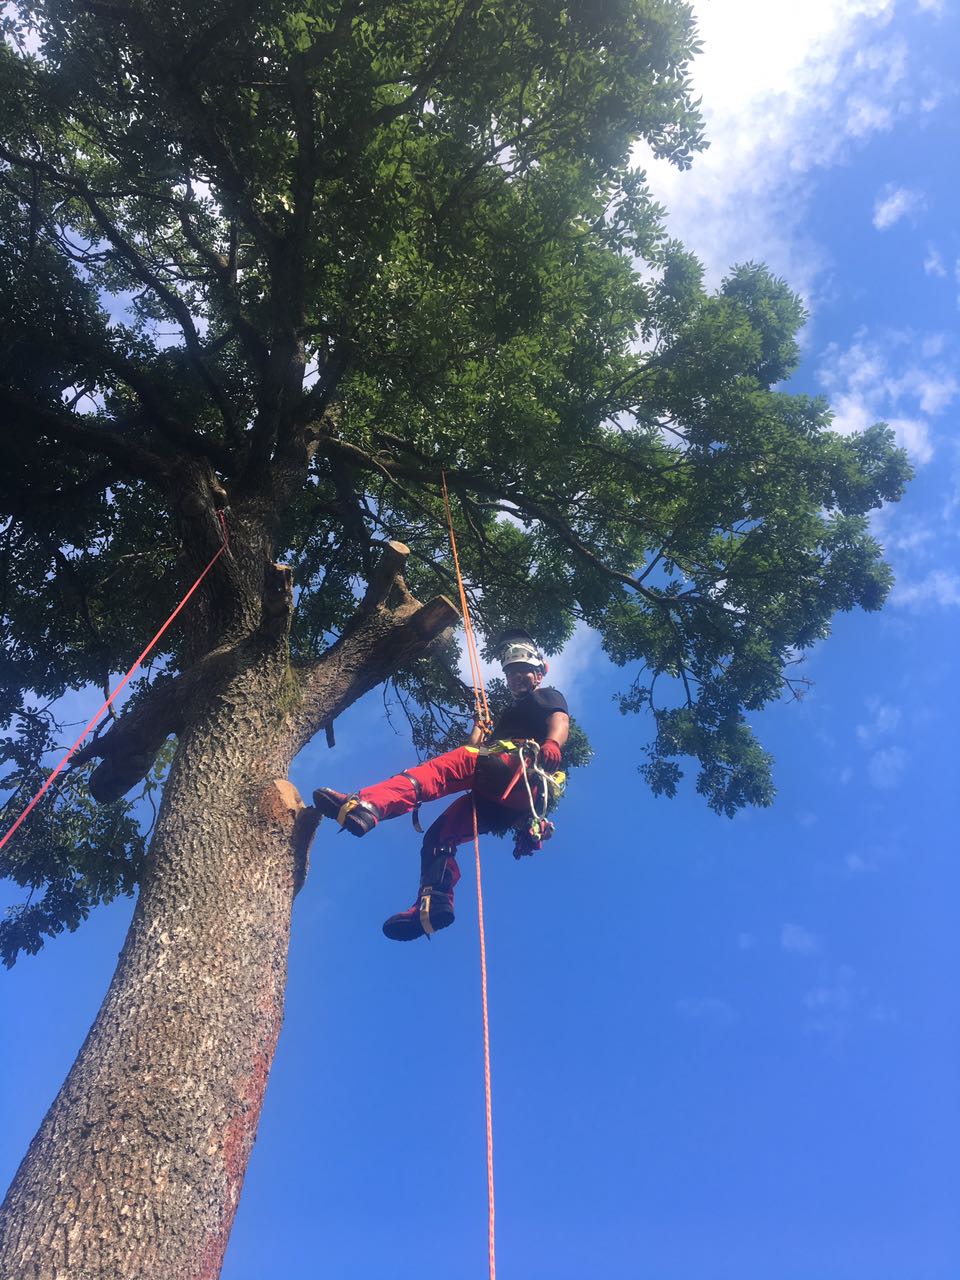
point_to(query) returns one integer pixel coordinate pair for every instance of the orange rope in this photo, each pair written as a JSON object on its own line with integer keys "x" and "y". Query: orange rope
{"x": 488, "y": 1091}
{"x": 485, "y": 720}
{"x": 109, "y": 702}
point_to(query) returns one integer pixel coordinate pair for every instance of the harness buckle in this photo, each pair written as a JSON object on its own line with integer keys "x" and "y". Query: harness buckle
{"x": 426, "y": 893}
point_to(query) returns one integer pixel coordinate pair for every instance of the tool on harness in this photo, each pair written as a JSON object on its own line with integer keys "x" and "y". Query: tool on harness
{"x": 531, "y": 839}
{"x": 528, "y": 752}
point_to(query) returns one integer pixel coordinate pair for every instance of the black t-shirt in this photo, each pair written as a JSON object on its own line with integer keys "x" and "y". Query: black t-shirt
{"x": 529, "y": 716}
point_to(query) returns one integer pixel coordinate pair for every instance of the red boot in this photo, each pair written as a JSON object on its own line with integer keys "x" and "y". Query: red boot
{"x": 433, "y": 908}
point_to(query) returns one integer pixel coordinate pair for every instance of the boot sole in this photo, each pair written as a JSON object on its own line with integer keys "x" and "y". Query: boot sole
{"x": 327, "y": 803}
{"x": 404, "y": 928}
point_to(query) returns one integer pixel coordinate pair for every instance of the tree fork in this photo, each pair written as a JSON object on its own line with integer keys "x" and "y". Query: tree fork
{"x": 389, "y": 629}
{"x": 128, "y": 750}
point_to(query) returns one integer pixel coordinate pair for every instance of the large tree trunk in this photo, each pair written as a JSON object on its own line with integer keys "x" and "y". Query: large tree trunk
{"x": 137, "y": 1169}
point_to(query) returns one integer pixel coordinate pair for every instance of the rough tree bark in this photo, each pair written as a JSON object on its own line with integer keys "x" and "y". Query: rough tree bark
{"x": 136, "y": 1171}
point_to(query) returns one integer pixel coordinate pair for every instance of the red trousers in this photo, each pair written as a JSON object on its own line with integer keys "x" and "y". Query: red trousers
{"x": 445, "y": 775}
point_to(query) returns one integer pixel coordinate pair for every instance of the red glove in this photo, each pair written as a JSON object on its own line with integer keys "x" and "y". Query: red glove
{"x": 550, "y": 756}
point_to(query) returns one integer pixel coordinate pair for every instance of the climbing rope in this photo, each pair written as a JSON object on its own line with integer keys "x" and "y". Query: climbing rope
{"x": 485, "y": 721}
{"x": 482, "y": 707}
{"x": 110, "y": 700}
{"x": 487, "y": 1088}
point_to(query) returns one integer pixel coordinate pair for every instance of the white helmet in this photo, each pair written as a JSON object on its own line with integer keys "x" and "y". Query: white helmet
{"x": 517, "y": 646}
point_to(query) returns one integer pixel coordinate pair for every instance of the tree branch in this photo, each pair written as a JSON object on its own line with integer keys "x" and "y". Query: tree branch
{"x": 176, "y": 305}
{"x": 178, "y": 74}
{"x": 389, "y": 629}
{"x": 128, "y": 750}
{"x": 67, "y": 429}
{"x": 134, "y": 378}
{"x": 461, "y": 480}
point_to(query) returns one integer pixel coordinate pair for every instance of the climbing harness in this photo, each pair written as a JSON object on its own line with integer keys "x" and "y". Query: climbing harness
{"x": 224, "y": 546}
{"x": 552, "y": 785}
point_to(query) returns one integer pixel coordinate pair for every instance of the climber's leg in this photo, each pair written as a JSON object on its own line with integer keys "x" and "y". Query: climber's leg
{"x": 439, "y": 871}
{"x": 442, "y": 776}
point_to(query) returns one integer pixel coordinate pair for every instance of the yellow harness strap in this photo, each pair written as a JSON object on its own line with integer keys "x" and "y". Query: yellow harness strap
{"x": 350, "y": 803}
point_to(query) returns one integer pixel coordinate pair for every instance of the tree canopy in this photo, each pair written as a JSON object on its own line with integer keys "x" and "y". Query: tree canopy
{"x": 320, "y": 253}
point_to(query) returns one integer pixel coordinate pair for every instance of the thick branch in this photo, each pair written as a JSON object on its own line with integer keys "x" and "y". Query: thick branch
{"x": 128, "y": 750}
{"x": 69, "y": 429}
{"x": 389, "y": 630}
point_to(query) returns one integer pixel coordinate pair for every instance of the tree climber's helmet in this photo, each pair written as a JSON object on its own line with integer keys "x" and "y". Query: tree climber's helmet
{"x": 518, "y": 647}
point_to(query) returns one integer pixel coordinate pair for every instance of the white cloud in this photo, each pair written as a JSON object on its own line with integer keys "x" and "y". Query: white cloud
{"x": 707, "y": 1009}
{"x": 865, "y": 117}
{"x": 836, "y": 999}
{"x": 952, "y": 504}
{"x": 868, "y": 859}
{"x": 934, "y": 391}
{"x": 883, "y": 1014}
{"x": 833, "y": 1003}
{"x": 581, "y": 653}
{"x": 913, "y": 434}
{"x": 933, "y": 263}
{"x": 894, "y": 203}
{"x": 884, "y": 719}
{"x": 787, "y": 89}
{"x": 910, "y": 535}
{"x": 892, "y": 376}
{"x": 886, "y": 767}
{"x": 939, "y": 587}
{"x": 799, "y": 941}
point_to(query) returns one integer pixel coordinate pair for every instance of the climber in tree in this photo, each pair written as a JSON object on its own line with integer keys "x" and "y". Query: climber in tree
{"x": 527, "y": 739}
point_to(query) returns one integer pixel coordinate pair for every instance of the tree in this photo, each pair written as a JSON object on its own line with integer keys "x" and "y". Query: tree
{"x": 288, "y": 264}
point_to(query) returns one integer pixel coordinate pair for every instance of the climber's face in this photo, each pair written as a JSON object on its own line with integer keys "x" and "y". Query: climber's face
{"x": 521, "y": 679}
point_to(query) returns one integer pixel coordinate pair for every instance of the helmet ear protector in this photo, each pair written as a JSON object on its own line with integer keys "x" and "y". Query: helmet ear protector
{"x": 517, "y": 646}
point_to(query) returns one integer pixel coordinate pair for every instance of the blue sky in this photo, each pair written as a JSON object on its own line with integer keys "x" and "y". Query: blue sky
{"x": 721, "y": 1049}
